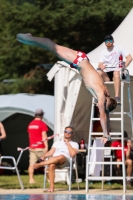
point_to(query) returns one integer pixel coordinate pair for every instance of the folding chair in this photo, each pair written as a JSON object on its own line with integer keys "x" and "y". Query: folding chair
{"x": 67, "y": 170}
{"x": 15, "y": 163}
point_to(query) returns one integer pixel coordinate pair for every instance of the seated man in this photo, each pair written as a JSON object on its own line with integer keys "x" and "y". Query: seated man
{"x": 128, "y": 160}
{"x": 61, "y": 151}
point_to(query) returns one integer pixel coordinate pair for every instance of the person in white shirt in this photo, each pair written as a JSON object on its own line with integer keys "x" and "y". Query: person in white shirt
{"x": 111, "y": 62}
{"x": 59, "y": 155}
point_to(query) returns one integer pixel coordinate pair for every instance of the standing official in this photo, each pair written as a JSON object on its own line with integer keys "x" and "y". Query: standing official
{"x": 37, "y": 131}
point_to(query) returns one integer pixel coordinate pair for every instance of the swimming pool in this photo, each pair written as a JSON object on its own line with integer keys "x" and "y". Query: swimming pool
{"x": 64, "y": 197}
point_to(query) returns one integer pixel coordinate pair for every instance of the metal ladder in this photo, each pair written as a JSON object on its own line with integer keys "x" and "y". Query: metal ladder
{"x": 116, "y": 134}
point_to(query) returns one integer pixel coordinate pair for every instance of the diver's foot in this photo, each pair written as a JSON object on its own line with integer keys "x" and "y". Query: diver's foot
{"x": 24, "y": 38}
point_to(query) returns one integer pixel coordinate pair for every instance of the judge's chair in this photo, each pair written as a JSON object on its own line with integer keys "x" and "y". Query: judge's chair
{"x": 66, "y": 172}
{"x": 14, "y": 167}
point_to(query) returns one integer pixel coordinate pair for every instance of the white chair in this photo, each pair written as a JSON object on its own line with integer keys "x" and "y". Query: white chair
{"x": 68, "y": 172}
{"x": 15, "y": 163}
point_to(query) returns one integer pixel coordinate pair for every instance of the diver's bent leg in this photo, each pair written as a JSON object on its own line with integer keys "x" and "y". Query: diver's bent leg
{"x": 64, "y": 53}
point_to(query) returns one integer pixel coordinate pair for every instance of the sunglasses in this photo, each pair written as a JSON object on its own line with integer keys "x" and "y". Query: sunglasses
{"x": 69, "y": 132}
{"x": 106, "y": 41}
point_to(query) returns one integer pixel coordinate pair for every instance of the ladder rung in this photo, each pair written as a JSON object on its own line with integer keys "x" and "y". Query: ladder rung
{"x": 106, "y": 163}
{"x": 105, "y": 178}
{"x": 111, "y": 82}
{"x": 111, "y": 119}
{"x": 101, "y": 133}
{"x": 116, "y": 113}
{"x": 104, "y": 148}
{"x": 112, "y": 138}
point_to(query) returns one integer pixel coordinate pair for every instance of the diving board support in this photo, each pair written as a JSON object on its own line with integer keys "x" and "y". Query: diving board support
{"x": 117, "y": 135}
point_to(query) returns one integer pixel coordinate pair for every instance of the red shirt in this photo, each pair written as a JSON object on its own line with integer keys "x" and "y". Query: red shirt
{"x": 35, "y": 129}
{"x": 118, "y": 153}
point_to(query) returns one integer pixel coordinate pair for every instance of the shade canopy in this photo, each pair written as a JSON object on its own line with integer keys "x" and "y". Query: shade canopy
{"x": 27, "y": 104}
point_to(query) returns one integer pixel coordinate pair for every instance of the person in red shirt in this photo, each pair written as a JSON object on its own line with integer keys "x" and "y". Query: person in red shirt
{"x": 37, "y": 131}
{"x": 127, "y": 153}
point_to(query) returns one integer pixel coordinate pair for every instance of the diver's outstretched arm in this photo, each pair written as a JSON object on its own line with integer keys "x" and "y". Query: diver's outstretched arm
{"x": 63, "y": 53}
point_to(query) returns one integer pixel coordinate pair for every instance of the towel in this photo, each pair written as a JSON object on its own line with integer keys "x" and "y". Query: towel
{"x": 96, "y": 156}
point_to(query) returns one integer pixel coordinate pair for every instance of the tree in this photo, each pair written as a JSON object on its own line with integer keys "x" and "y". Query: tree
{"x": 77, "y": 24}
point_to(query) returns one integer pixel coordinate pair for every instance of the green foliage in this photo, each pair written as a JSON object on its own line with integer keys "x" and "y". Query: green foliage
{"x": 20, "y": 86}
{"x": 20, "y": 2}
{"x": 33, "y": 82}
{"x": 77, "y": 24}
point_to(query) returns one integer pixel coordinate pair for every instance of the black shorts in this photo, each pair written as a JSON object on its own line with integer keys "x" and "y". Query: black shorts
{"x": 110, "y": 75}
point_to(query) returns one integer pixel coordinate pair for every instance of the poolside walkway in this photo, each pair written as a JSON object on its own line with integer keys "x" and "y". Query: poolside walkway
{"x": 60, "y": 191}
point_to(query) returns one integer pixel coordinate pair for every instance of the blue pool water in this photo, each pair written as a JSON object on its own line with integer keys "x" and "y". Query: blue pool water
{"x": 64, "y": 197}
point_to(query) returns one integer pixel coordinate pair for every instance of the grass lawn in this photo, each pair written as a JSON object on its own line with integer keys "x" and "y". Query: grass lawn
{"x": 11, "y": 182}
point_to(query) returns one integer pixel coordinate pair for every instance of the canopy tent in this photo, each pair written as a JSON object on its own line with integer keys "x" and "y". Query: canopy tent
{"x": 72, "y": 101}
{"x": 27, "y": 104}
